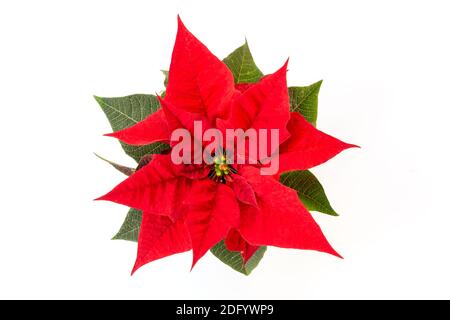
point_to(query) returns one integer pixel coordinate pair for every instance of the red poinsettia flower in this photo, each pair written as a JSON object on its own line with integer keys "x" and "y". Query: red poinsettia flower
{"x": 188, "y": 206}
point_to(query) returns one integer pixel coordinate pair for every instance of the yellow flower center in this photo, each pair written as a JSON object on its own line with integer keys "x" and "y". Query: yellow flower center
{"x": 221, "y": 170}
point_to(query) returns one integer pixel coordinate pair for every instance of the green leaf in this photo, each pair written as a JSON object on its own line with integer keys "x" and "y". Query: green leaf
{"x": 234, "y": 259}
{"x": 124, "y": 112}
{"x": 309, "y": 190}
{"x": 130, "y": 227}
{"x": 125, "y": 170}
{"x": 305, "y": 100}
{"x": 242, "y": 66}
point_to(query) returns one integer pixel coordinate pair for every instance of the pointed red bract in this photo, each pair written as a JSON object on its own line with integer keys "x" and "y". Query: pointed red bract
{"x": 307, "y": 147}
{"x": 235, "y": 242}
{"x": 198, "y": 81}
{"x": 282, "y": 220}
{"x": 151, "y": 129}
{"x": 155, "y": 188}
{"x": 160, "y": 237}
{"x": 244, "y": 191}
{"x": 212, "y": 212}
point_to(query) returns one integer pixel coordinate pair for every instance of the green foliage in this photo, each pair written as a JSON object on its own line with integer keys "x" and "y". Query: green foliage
{"x": 130, "y": 227}
{"x": 241, "y": 64}
{"x": 305, "y": 100}
{"x": 309, "y": 190}
{"x": 234, "y": 259}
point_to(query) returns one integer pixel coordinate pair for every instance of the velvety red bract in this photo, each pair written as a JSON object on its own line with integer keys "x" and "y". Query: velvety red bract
{"x": 182, "y": 208}
{"x": 199, "y": 82}
{"x": 160, "y": 237}
{"x": 307, "y": 147}
{"x": 281, "y": 208}
{"x": 155, "y": 188}
{"x": 213, "y": 211}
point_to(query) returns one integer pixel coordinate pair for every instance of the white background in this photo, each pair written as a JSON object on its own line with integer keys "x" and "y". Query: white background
{"x": 385, "y": 66}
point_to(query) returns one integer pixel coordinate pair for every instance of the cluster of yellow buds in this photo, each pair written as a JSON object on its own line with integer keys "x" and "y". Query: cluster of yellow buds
{"x": 221, "y": 170}
{"x": 221, "y": 166}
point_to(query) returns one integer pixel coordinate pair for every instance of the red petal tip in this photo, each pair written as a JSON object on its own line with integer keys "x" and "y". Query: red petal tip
{"x": 333, "y": 252}
{"x": 112, "y": 134}
{"x": 283, "y": 69}
{"x": 105, "y": 197}
{"x": 349, "y": 145}
{"x": 285, "y": 65}
{"x": 99, "y": 198}
{"x": 194, "y": 262}
{"x": 136, "y": 266}
{"x": 180, "y": 23}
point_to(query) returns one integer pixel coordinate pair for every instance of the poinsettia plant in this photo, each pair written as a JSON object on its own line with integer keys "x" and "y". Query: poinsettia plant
{"x": 229, "y": 202}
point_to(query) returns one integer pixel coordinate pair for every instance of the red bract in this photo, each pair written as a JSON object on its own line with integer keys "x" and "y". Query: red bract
{"x": 182, "y": 207}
